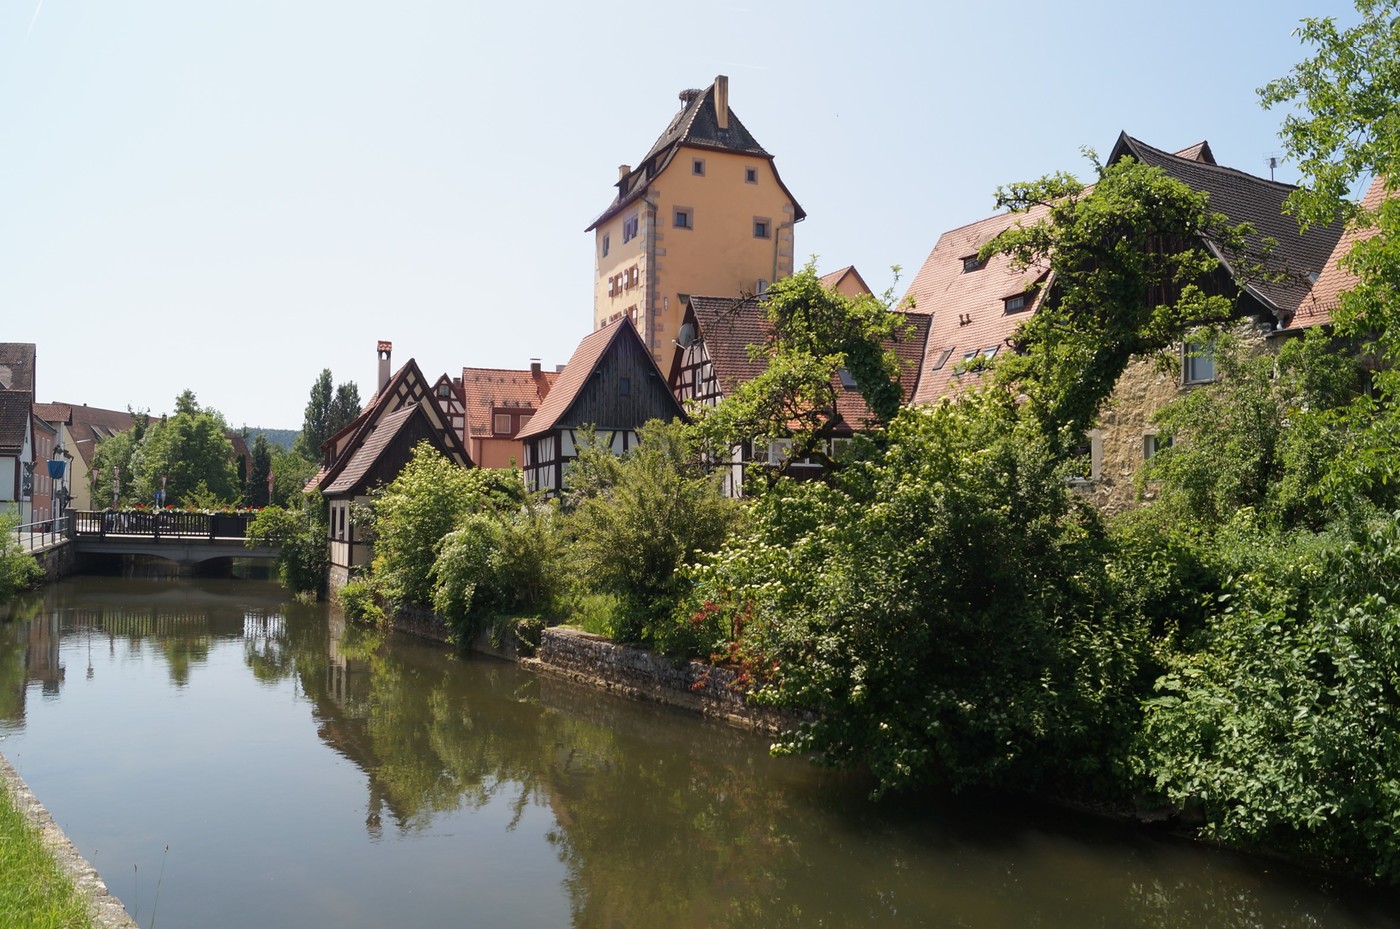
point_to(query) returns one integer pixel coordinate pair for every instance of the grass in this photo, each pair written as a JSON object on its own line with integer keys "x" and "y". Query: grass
{"x": 34, "y": 891}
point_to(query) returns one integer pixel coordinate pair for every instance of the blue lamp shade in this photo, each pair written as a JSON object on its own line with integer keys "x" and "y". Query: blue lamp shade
{"x": 57, "y": 467}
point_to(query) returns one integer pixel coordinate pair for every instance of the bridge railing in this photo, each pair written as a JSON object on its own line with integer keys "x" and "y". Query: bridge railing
{"x": 40, "y": 534}
{"x": 159, "y": 524}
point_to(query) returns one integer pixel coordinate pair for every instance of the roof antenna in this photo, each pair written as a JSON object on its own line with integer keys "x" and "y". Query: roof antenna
{"x": 1272, "y": 159}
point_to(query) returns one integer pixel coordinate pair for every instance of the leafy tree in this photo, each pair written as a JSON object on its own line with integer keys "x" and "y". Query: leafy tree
{"x": 936, "y": 605}
{"x": 300, "y": 535}
{"x": 255, "y": 491}
{"x": 812, "y": 335}
{"x": 188, "y": 449}
{"x": 1129, "y": 275}
{"x": 1263, "y": 436}
{"x": 18, "y": 569}
{"x": 638, "y": 520}
{"x": 290, "y": 473}
{"x": 430, "y": 498}
{"x": 328, "y": 410}
{"x": 115, "y": 452}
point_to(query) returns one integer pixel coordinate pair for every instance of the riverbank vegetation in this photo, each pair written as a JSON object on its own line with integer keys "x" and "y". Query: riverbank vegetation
{"x": 18, "y": 569}
{"x": 34, "y": 892}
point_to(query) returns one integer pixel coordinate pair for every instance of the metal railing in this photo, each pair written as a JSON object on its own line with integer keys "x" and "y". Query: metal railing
{"x": 40, "y": 534}
{"x": 159, "y": 524}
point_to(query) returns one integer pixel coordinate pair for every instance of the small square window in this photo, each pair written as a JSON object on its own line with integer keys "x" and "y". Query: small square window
{"x": 500, "y": 424}
{"x": 624, "y": 386}
{"x": 444, "y": 391}
{"x": 684, "y": 218}
{"x": 1017, "y": 303}
{"x": 973, "y": 263}
{"x": 1152, "y": 444}
{"x": 1197, "y": 362}
{"x": 761, "y": 228}
{"x": 697, "y": 166}
{"x": 750, "y": 175}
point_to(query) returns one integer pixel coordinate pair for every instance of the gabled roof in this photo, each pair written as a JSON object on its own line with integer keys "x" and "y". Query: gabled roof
{"x": 362, "y": 458}
{"x": 729, "y": 326}
{"x": 486, "y": 389}
{"x": 833, "y": 280}
{"x": 572, "y": 380}
{"x": 696, "y": 126}
{"x": 1326, "y": 293}
{"x": 1242, "y": 197}
{"x": 17, "y": 366}
{"x": 407, "y": 387}
{"x": 88, "y": 425}
{"x": 969, "y": 306}
{"x": 14, "y": 420}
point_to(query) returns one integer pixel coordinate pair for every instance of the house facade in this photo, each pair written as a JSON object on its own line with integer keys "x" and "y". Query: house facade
{"x": 372, "y": 450}
{"x": 498, "y": 404}
{"x": 977, "y": 307}
{"x": 81, "y": 428}
{"x": 17, "y": 467}
{"x": 611, "y": 387}
{"x": 703, "y": 212}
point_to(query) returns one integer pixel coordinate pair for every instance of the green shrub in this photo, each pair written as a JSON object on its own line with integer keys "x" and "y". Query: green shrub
{"x": 360, "y": 601}
{"x": 528, "y": 634}
{"x": 18, "y": 569}
{"x": 301, "y": 537}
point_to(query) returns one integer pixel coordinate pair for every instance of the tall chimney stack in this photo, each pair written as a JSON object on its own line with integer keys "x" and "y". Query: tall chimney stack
{"x": 385, "y": 350}
{"x": 623, "y": 171}
{"x": 722, "y": 102}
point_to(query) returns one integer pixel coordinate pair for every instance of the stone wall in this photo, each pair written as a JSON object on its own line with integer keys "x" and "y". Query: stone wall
{"x": 58, "y": 560}
{"x": 1146, "y": 386}
{"x": 640, "y": 674}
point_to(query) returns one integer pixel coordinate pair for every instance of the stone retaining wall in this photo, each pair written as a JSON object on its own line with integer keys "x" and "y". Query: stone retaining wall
{"x": 107, "y": 910}
{"x": 640, "y": 674}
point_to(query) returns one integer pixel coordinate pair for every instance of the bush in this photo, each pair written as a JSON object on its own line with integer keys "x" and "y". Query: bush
{"x": 360, "y": 601}
{"x": 18, "y": 569}
{"x": 301, "y": 537}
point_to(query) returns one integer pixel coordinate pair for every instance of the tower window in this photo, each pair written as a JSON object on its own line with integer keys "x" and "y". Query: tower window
{"x": 684, "y": 218}
{"x": 697, "y": 167}
{"x": 762, "y": 228}
{"x": 750, "y": 175}
{"x": 630, "y": 226}
{"x": 607, "y": 242}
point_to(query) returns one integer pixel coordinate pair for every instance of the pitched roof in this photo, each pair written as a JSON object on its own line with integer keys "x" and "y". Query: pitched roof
{"x": 696, "y": 125}
{"x": 17, "y": 366}
{"x": 88, "y": 425}
{"x": 363, "y": 457}
{"x": 1326, "y": 293}
{"x": 729, "y": 326}
{"x": 14, "y": 420}
{"x": 833, "y": 279}
{"x": 405, "y": 389}
{"x": 486, "y": 389}
{"x": 1242, "y": 197}
{"x": 968, "y": 301}
{"x": 572, "y": 380}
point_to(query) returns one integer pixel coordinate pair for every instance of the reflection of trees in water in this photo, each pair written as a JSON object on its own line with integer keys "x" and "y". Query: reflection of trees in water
{"x": 661, "y": 821}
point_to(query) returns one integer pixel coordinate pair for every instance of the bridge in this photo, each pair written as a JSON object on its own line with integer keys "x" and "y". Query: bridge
{"x": 185, "y": 538}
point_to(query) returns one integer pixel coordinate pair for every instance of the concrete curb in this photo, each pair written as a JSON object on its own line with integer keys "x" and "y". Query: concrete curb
{"x": 107, "y": 910}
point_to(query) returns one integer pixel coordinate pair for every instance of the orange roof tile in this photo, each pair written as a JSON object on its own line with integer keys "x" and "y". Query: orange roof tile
{"x": 1325, "y": 295}
{"x": 485, "y": 389}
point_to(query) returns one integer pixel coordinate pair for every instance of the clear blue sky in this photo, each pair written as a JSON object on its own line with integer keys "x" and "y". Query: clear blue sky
{"x": 230, "y": 195}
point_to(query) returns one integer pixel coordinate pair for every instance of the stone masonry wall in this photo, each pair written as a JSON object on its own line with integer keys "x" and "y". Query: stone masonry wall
{"x": 641, "y": 674}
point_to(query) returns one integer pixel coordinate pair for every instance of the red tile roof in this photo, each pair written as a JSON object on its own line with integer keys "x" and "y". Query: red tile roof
{"x": 968, "y": 306}
{"x": 486, "y": 389}
{"x": 1325, "y": 296}
{"x": 364, "y": 457}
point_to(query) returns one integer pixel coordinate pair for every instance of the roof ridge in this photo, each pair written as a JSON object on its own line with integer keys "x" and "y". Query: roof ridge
{"x": 1212, "y": 165}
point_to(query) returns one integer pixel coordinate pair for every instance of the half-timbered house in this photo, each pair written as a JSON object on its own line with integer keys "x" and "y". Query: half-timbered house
{"x": 712, "y": 358}
{"x": 373, "y": 449}
{"x": 611, "y": 386}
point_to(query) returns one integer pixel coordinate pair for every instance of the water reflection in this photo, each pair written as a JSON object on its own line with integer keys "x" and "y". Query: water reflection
{"x": 656, "y": 818}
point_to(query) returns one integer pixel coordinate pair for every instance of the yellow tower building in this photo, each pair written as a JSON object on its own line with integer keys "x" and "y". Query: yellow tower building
{"x": 703, "y": 213}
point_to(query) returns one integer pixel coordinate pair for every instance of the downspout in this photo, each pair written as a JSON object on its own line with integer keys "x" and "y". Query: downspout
{"x": 649, "y": 294}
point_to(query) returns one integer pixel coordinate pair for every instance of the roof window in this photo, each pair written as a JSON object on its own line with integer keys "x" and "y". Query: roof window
{"x": 1016, "y": 303}
{"x": 942, "y": 359}
{"x": 973, "y": 263}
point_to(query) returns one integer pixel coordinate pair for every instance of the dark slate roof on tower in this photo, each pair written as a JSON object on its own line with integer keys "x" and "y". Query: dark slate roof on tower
{"x": 1296, "y": 257}
{"x": 696, "y": 125}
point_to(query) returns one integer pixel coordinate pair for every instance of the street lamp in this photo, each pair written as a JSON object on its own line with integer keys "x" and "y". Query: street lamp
{"x": 116, "y": 485}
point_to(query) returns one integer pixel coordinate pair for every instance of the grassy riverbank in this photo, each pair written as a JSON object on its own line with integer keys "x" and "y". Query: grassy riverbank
{"x": 34, "y": 891}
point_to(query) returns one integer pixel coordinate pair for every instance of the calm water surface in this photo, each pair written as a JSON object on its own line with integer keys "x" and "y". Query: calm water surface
{"x": 227, "y": 758}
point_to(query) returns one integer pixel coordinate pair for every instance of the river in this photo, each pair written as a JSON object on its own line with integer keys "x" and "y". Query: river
{"x": 226, "y": 757}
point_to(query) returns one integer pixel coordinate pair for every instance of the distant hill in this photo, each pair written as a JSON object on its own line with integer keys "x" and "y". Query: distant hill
{"x": 282, "y": 437}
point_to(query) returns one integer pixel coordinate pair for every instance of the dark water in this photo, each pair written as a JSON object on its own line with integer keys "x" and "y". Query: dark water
{"x": 227, "y": 758}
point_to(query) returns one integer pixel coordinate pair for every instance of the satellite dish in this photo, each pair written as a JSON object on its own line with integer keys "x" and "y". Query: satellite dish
{"x": 686, "y": 337}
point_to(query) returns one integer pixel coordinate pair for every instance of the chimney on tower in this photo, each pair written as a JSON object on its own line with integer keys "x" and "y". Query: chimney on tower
{"x": 722, "y": 102}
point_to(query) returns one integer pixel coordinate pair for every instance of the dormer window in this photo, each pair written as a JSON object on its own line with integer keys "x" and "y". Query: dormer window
{"x": 848, "y": 380}
{"x": 1017, "y": 303}
{"x": 973, "y": 263}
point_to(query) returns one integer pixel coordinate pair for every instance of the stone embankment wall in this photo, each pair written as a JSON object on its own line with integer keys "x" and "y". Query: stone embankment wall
{"x": 107, "y": 910}
{"x": 58, "y": 560}
{"x": 640, "y": 674}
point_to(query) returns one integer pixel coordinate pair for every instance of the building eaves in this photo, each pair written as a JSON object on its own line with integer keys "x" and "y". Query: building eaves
{"x": 571, "y": 381}
{"x": 363, "y": 458}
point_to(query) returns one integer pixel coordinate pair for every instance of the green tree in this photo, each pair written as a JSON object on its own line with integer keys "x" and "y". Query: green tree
{"x": 638, "y": 520}
{"x": 113, "y": 453}
{"x": 430, "y": 497}
{"x": 186, "y": 450}
{"x": 255, "y": 491}
{"x": 812, "y": 335}
{"x": 328, "y": 410}
{"x": 290, "y": 473}
{"x": 18, "y": 569}
{"x": 300, "y": 535}
{"x": 936, "y": 605}
{"x": 1129, "y": 274}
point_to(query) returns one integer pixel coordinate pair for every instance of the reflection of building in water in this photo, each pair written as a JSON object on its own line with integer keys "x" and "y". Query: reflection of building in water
{"x": 30, "y": 656}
